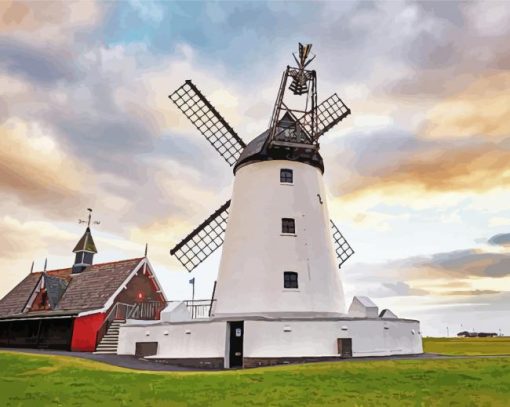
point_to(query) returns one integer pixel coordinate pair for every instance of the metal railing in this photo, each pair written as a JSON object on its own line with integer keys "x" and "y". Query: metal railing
{"x": 118, "y": 311}
{"x": 196, "y": 308}
{"x": 148, "y": 310}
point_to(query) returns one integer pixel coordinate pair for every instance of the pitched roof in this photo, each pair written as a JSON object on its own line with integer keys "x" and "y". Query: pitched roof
{"x": 86, "y": 243}
{"x": 91, "y": 288}
{"x": 14, "y": 302}
{"x": 88, "y": 290}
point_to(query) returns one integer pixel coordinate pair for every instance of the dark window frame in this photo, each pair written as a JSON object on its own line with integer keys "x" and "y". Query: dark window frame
{"x": 289, "y": 226}
{"x": 286, "y": 176}
{"x": 290, "y": 279}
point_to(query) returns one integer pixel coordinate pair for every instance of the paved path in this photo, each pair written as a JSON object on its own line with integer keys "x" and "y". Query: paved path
{"x": 129, "y": 362}
{"x": 132, "y": 362}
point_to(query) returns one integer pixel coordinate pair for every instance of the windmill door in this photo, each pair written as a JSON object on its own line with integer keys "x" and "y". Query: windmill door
{"x": 345, "y": 347}
{"x": 236, "y": 344}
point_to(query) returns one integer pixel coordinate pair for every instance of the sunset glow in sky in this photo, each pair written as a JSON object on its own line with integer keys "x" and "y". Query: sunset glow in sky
{"x": 418, "y": 175}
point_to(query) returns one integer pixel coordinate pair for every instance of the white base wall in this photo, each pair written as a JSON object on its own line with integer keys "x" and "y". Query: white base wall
{"x": 183, "y": 340}
{"x": 265, "y": 339}
{"x": 276, "y": 338}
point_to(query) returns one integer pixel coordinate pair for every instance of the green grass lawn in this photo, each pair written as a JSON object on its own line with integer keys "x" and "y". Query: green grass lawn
{"x": 468, "y": 346}
{"x": 39, "y": 380}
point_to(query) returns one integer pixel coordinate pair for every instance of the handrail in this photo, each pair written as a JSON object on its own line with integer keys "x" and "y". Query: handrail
{"x": 119, "y": 311}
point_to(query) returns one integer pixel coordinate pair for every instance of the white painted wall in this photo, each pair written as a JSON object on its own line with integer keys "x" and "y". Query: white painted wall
{"x": 319, "y": 338}
{"x": 176, "y": 312}
{"x": 255, "y": 254}
{"x": 186, "y": 340}
{"x": 276, "y": 338}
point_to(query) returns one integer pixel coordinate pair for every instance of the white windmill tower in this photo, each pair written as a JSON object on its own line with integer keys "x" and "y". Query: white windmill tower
{"x": 279, "y": 295}
{"x": 279, "y": 254}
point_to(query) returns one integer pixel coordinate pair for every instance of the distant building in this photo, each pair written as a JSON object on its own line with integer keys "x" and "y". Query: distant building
{"x": 467, "y": 334}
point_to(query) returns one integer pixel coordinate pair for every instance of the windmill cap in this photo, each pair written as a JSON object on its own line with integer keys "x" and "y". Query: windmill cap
{"x": 257, "y": 150}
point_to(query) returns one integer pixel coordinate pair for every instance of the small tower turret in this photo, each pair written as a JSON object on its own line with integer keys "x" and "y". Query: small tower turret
{"x": 85, "y": 248}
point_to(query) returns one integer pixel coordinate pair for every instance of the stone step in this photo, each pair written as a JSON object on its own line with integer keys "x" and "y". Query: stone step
{"x": 111, "y": 341}
{"x": 107, "y": 348}
{"x": 105, "y": 352}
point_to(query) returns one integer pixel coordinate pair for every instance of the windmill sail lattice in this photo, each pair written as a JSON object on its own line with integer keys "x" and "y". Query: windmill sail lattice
{"x": 204, "y": 240}
{"x": 329, "y": 113}
{"x": 208, "y": 121}
{"x": 342, "y": 248}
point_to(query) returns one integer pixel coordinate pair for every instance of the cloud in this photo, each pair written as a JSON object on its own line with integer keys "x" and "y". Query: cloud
{"x": 472, "y": 292}
{"x": 387, "y": 163}
{"x": 53, "y": 22}
{"x": 36, "y": 170}
{"x": 19, "y": 59}
{"x": 30, "y": 237}
{"x": 480, "y": 110}
{"x": 464, "y": 263}
{"x": 403, "y": 289}
{"x": 502, "y": 239}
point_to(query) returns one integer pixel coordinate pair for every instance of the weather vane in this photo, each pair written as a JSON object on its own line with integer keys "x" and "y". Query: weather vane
{"x": 299, "y": 84}
{"x": 88, "y": 222}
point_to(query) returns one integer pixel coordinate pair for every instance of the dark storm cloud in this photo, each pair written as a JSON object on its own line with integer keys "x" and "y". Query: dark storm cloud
{"x": 502, "y": 239}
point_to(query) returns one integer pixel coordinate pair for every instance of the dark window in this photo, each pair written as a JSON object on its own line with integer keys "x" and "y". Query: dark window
{"x": 286, "y": 176}
{"x": 79, "y": 258}
{"x": 87, "y": 257}
{"x": 290, "y": 279}
{"x": 288, "y": 225}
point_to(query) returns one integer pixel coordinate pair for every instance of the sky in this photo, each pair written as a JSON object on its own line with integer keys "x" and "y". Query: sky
{"x": 418, "y": 176}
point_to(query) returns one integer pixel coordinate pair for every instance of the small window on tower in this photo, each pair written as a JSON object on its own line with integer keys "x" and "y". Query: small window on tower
{"x": 286, "y": 176}
{"x": 290, "y": 279}
{"x": 288, "y": 225}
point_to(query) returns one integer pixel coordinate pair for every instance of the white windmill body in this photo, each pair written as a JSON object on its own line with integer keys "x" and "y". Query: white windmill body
{"x": 279, "y": 295}
{"x": 256, "y": 253}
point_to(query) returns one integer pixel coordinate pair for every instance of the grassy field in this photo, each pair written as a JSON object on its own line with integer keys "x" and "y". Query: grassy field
{"x": 468, "y": 346}
{"x": 38, "y": 380}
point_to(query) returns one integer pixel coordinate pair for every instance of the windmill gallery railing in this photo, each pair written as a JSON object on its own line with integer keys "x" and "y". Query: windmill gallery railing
{"x": 196, "y": 308}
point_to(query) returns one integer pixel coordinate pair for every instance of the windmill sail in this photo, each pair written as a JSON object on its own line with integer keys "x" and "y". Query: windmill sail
{"x": 329, "y": 113}
{"x": 342, "y": 248}
{"x": 204, "y": 240}
{"x": 208, "y": 121}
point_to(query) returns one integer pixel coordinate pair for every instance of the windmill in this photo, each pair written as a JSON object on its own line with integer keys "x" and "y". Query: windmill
{"x": 292, "y": 137}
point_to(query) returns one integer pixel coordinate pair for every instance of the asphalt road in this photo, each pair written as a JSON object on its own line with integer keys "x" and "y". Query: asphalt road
{"x": 132, "y": 362}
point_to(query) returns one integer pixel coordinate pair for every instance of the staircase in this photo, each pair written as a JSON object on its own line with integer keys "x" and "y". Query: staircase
{"x": 110, "y": 341}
